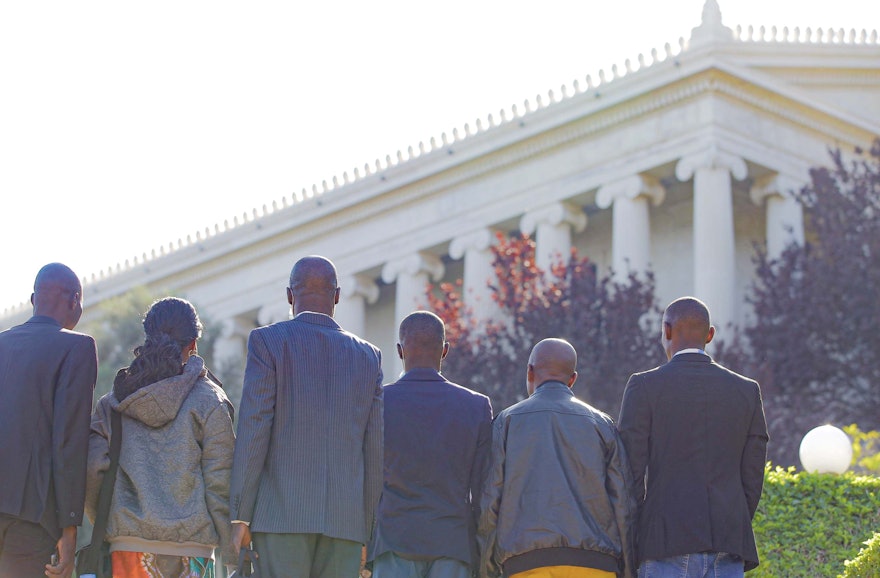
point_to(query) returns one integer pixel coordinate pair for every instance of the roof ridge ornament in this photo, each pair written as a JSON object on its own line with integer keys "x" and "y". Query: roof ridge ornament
{"x": 711, "y": 28}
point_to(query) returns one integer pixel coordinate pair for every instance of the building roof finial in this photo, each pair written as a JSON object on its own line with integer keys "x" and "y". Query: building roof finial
{"x": 711, "y": 28}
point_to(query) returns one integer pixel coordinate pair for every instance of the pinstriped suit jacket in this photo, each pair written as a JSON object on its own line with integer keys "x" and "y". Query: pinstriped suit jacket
{"x": 308, "y": 455}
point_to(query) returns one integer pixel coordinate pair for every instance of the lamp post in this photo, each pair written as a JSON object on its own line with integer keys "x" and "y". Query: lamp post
{"x": 826, "y": 450}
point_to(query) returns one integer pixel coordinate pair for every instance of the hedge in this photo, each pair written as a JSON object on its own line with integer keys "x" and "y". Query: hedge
{"x": 867, "y": 563}
{"x": 808, "y": 525}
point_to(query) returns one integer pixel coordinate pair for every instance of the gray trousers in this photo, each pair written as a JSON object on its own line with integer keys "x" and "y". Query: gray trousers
{"x": 306, "y": 556}
{"x": 390, "y": 565}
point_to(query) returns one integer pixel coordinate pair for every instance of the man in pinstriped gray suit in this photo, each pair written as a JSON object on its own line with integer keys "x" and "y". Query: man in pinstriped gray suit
{"x": 307, "y": 469}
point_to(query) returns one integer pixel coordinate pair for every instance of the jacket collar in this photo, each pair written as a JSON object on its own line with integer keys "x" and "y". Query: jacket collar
{"x": 317, "y": 319}
{"x": 552, "y": 386}
{"x": 422, "y": 374}
{"x": 691, "y": 357}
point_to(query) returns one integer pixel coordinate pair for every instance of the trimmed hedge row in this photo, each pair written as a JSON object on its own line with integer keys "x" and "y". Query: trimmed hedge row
{"x": 807, "y": 525}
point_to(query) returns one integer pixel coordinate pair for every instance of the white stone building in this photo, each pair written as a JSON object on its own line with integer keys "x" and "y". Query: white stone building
{"x": 679, "y": 161}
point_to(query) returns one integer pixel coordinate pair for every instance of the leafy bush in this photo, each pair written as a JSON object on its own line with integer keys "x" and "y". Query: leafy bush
{"x": 867, "y": 563}
{"x": 866, "y": 450}
{"x": 808, "y": 525}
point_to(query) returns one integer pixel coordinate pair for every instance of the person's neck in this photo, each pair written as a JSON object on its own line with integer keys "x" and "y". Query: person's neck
{"x": 420, "y": 364}
{"x": 313, "y": 308}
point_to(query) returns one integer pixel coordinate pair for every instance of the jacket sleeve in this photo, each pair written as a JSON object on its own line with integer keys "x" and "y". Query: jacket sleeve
{"x": 217, "y": 445}
{"x": 70, "y": 429}
{"x": 618, "y": 484}
{"x": 256, "y": 415}
{"x": 373, "y": 454}
{"x": 478, "y": 468}
{"x": 490, "y": 503}
{"x": 755, "y": 455}
{"x": 99, "y": 455}
{"x": 635, "y": 430}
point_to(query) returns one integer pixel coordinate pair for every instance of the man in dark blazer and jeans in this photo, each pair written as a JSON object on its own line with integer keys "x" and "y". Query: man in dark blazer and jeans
{"x": 47, "y": 376}
{"x": 696, "y": 439}
{"x": 437, "y": 437}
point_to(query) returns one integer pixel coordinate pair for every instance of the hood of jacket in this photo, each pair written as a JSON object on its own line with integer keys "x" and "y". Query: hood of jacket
{"x": 158, "y": 403}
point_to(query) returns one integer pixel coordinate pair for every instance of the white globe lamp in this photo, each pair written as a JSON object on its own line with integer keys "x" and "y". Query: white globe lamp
{"x": 826, "y": 450}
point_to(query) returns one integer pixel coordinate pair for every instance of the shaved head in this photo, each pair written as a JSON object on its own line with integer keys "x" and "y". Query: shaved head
{"x": 552, "y": 360}
{"x": 58, "y": 294}
{"x": 422, "y": 340}
{"x": 690, "y": 315}
{"x": 312, "y": 286}
{"x": 686, "y": 325}
{"x": 313, "y": 274}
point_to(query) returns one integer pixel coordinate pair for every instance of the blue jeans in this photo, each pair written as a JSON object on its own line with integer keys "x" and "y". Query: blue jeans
{"x": 390, "y": 565}
{"x": 702, "y": 565}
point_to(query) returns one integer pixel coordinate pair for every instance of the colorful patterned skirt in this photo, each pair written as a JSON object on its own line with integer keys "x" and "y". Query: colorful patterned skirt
{"x": 147, "y": 565}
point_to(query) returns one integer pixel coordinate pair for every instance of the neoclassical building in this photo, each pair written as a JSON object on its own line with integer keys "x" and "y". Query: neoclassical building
{"x": 679, "y": 161}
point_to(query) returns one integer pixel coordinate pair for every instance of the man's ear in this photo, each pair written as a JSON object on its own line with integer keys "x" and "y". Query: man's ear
{"x": 400, "y": 351}
{"x": 667, "y": 331}
{"x": 572, "y": 379}
{"x": 336, "y": 297}
{"x": 711, "y": 334}
{"x": 289, "y": 296}
{"x": 445, "y": 350}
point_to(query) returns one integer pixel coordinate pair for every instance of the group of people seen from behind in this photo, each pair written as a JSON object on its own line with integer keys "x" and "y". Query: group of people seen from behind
{"x": 326, "y": 471}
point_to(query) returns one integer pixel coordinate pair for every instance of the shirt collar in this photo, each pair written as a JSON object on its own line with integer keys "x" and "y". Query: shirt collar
{"x": 691, "y": 350}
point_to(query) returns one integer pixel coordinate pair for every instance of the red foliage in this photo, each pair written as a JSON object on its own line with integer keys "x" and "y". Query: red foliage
{"x": 607, "y": 323}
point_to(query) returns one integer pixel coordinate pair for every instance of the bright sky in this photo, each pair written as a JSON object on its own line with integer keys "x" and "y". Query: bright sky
{"x": 126, "y": 125}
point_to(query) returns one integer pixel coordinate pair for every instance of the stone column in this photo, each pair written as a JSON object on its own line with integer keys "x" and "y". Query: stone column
{"x": 631, "y": 236}
{"x": 412, "y": 275}
{"x": 552, "y": 226}
{"x": 274, "y": 312}
{"x": 355, "y": 293}
{"x": 785, "y": 215}
{"x": 714, "y": 250}
{"x": 475, "y": 248}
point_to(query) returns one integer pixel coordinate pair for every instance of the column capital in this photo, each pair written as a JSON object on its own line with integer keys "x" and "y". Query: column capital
{"x": 420, "y": 262}
{"x": 478, "y": 240}
{"x": 359, "y": 286}
{"x": 631, "y": 187}
{"x": 779, "y": 184}
{"x": 554, "y": 214}
{"x": 273, "y": 313}
{"x": 711, "y": 157}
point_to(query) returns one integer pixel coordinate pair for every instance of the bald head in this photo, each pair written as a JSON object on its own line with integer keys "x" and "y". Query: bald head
{"x": 422, "y": 340}
{"x": 313, "y": 286}
{"x": 686, "y": 324}
{"x": 551, "y": 360}
{"x": 58, "y": 294}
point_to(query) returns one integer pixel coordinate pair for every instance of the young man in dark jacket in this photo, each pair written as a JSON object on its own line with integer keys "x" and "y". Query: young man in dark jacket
{"x": 558, "y": 490}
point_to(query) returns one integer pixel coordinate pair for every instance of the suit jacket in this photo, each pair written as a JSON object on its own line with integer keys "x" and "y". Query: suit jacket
{"x": 308, "y": 455}
{"x": 696, "y": 439}
{"x": 437, "y": 438}
{"x": 47, "y": 378}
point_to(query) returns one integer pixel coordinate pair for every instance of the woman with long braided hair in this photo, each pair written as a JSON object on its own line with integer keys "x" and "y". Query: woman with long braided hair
{"x": 170, "y": 500}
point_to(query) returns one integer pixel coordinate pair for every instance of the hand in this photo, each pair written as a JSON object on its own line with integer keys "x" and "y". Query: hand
{"x": 66, "y": 553}
{"x": 241, "y": 536}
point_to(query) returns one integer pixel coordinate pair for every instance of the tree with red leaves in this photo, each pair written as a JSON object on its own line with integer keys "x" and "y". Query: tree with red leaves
{"x": 611, "y": 325}
{"x": 815, "y": 344}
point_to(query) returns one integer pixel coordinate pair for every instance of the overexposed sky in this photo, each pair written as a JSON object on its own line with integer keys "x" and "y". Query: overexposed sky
{"x": 125, "y": 126}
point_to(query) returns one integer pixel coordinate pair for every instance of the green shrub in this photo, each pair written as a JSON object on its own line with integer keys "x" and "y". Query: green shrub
{"x": 867, "y": 563}
{"x": 807, "y": 525}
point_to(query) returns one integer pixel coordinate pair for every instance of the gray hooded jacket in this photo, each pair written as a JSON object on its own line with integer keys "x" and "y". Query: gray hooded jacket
{"x": 172, "y": 488}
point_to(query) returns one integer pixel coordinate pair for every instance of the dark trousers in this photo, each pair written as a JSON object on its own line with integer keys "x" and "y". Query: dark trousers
{"x": 25, "y": 548}
{"x": 306, "y": 556}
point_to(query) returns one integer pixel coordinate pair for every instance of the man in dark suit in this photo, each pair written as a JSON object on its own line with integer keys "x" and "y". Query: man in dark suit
{"x": 696, "y": 439}
{"x": 437, "y": 438}
{"x": 307, "y": 467}
{"x": 47, "y": 377}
